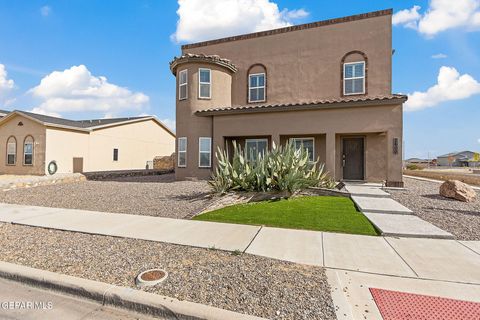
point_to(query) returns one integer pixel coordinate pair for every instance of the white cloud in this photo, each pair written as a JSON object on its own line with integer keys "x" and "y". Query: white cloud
{"x": 439, "y": 56}
{"x": 450, "y": 86}
{"x": 408, "y": 17}
{"x": 202, "y": 20}
{"x": 45, "y": 11}
{"x": 77, "y": 90}
{"x": 5, "y": 83}
{"x": 478, "y": 140}
{"x": 440, "y": 16}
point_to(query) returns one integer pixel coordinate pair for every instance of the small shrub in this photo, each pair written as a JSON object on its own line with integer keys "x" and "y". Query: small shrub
{"x": 284, "y": 168}
{"x": 412, "y": 166}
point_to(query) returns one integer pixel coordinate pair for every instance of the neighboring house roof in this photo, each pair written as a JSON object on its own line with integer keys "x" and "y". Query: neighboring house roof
{"x": 191, "y": 57}
{"x": 454, "y": 154}
{"x": 311, "y": 105}
{"x": 417, "y": 160}
{"x": 81, "y": 125}
{"x": 291, "y": 28}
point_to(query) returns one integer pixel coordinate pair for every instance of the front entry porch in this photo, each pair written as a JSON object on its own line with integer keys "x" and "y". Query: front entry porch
{"x": 347, "y": 156}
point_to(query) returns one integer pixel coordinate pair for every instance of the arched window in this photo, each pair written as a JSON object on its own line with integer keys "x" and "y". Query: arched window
{"x": 11, "y": 151}
{"x": 257, "y": 83}
{"x": 354, "y": 73}
{"x": 28, "y": 151}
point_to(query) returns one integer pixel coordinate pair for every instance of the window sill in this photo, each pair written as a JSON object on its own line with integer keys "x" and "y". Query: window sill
{"x": 200, "y": 98}
{"x": 27, "y": 165}
{"x": 259, "y": 101}
{"x": 205, "y": 167}
{"x": 11, "y": 165}
{"x": 355, "y": 94}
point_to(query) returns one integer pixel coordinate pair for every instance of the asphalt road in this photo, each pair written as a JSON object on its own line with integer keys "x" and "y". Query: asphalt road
{"x": 22, "y": 302}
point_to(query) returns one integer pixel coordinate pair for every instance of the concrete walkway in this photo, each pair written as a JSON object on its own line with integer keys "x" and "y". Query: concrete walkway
{"x": 389, "y": 216}
{"x": 445, "y": 260}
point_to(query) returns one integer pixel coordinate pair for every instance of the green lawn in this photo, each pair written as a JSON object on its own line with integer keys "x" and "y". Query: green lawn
{"x": 322, "y": 213}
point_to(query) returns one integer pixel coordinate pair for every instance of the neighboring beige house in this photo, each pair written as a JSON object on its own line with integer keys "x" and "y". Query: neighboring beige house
{"x": 326, "y": 86}
{"x": 459, "y": 159}
{"x": 37, "y": 144}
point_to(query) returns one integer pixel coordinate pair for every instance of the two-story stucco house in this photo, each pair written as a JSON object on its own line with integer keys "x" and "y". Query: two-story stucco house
{"x": 326, "y": 86}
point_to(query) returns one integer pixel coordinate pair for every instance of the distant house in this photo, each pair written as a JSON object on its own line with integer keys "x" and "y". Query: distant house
{"x": 458, "y": 159}
{"x": 37, "y": 144}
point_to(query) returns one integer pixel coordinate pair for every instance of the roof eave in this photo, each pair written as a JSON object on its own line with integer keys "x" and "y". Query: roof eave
{"x": 293, "y": 108}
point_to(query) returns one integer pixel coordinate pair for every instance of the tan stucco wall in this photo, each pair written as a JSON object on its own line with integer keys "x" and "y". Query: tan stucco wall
{"x": 137, "y": 143}
{"x": 63, "y": 146}
{"x": 189, "y": 125}
{"x": 37, "y": 131}
{"x": 306, "y": 64}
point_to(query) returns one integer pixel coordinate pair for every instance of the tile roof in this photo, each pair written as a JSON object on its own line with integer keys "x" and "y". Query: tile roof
{"x": 190, "y": 57}
{"x": 307, "y": 105}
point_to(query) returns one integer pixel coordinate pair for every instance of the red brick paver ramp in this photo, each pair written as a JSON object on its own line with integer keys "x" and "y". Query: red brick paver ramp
{"x": 394, "y": 305}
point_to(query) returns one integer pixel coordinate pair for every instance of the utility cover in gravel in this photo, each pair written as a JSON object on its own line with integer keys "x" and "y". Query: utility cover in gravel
{"x": 243, "y": 283}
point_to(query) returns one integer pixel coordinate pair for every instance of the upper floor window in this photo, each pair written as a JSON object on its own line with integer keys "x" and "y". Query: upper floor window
{"x": 354, "y": 78}
{"x": 115, "y": 154}
{"x": 204, "y": 84}
{"x": 256, "y": 87}
{"x": 182, "y": 84}
{"x": 182, "y": 152}
{"x": 28, "y": 151}
{"x": 11, "y": 151}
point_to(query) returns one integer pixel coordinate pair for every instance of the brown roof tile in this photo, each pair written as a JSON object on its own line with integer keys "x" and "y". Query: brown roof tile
{"x": 190, "y": 57}
{"x": 307, "y": 105}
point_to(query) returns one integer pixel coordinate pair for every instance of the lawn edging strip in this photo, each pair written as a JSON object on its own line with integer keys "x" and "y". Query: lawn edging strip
{"x": 117, "y": 296}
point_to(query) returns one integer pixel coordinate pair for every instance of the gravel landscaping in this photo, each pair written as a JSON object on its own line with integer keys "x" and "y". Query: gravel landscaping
{"x": 158, "y": 195}
{"x": 243, "y": 283}
{"x": 459, "y": 218}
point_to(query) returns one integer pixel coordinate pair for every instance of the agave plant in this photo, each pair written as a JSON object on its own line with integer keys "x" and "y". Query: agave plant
{"x": 284, "y": 168}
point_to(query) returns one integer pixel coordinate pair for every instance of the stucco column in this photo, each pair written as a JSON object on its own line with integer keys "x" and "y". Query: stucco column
{"x": 330, "y": 153}
{"x": 275, "y": 140}
{"x": 394, "y": 158}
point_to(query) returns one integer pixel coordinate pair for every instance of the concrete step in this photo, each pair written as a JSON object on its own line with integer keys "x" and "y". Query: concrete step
{"x": 398, "y": 225}
{"x": 380, "y": 205}
{"x": 366, "y": 191}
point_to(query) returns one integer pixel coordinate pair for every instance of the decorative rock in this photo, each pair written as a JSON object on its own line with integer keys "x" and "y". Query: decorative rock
{"x": 457, "y": 190}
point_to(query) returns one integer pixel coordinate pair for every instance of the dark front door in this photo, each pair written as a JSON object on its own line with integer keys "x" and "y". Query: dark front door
{"x": 353, "y": 159}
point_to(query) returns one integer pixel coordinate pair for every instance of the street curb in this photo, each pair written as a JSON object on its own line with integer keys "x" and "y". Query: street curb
{"x": 116, "y": 296}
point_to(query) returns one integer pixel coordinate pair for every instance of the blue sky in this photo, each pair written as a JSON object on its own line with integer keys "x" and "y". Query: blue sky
{"x": 130, "y": 43}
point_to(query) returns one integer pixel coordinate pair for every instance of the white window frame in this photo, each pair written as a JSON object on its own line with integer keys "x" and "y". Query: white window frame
{"x": 293, "y": 140}
{"x": 180, "y": 84}
{"x": 33, "y": 150}
{"x": 15, "y": 152}
{"x": 209, "y": 152}
{"x": 353, "y": 78}
{"x": 183, "y": 151}
{"x": 255, "y": 140}
{"x": 200, "y": 83}
{"x": 264, "y": 87}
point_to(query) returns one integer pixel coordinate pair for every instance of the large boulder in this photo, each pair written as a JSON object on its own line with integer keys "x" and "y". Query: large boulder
{"x": 457, "y": 190}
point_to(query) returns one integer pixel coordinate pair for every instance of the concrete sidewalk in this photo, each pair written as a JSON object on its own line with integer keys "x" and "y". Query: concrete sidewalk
{"x": 446, "y": 260}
